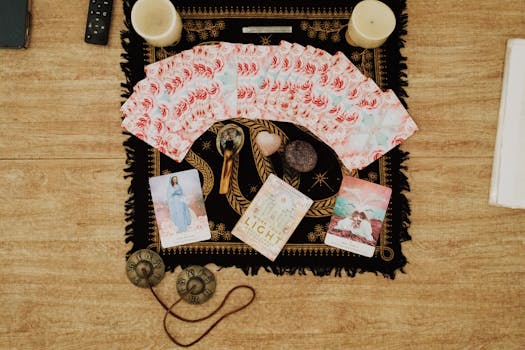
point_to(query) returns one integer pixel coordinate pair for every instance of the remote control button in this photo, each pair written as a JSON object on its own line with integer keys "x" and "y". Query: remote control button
{"x": 104, "y": 13}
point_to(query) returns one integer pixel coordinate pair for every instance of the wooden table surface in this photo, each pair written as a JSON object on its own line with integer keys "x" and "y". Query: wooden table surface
{"x": 62, "y": 219}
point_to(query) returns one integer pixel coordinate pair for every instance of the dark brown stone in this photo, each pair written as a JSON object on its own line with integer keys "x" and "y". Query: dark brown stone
{"x": 300, "y": 156}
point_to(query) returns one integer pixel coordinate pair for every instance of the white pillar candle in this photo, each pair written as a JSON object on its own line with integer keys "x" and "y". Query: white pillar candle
{"x": 370, "y": 24}
{"x": 157, "y": 21}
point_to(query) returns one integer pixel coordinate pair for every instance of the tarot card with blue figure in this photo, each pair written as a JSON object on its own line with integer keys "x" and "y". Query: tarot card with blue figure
{"x": 359, "y": 212}
{"x": 179, "y": 208}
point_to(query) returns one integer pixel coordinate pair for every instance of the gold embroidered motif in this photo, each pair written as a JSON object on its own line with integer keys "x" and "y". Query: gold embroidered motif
{"x": 363, "y": 59}
{"x": 323, "y": 29}
{"x": 203, "y": 30}
{"x": 219, "y": 231}
{"x": 272, "y": 12}
{"x": 318, "y": 234}
{"x": 265, "y": 40}
{"x": 206, "y": 145}
{"x": 372, "y": 176}
{"x": 320, "y": 179}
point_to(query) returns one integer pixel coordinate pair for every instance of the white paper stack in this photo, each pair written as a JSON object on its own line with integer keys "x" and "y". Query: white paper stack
{"x": 508, "y": 173}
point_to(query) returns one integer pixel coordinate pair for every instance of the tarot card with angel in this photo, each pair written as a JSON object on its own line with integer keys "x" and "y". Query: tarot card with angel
{"x": 358, "y": 216}
{"x": 179, "y": 208}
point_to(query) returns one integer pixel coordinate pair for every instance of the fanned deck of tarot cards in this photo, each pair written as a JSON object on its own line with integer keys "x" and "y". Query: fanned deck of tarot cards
{"x": 183, "y": 95}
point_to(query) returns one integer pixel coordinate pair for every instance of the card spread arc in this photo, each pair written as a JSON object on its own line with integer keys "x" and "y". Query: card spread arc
{"x": 185, "y": 94}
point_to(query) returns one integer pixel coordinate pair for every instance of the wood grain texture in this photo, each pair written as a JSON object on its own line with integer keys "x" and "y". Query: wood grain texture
{"x": 62, "y": 220}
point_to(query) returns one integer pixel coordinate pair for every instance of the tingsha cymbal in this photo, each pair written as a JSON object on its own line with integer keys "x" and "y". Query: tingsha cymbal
{"x": 196, "y": 284}
{"x": 145, "y": 268}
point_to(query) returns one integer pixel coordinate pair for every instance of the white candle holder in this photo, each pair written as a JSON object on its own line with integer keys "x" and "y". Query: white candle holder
{"x": 157, "y": 21}
{"x": 370, "y": 24}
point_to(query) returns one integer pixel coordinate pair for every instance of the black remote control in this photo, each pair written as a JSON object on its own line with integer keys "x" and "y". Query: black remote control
{"x": 98, "y": 21}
